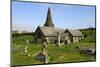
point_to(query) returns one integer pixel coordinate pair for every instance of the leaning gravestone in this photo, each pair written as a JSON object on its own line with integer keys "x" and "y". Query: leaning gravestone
{"x": 44, "y": 47}
{"x": 26, "y": 46}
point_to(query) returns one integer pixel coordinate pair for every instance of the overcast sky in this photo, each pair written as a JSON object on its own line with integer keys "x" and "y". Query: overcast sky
{"x": 26, "y": 16}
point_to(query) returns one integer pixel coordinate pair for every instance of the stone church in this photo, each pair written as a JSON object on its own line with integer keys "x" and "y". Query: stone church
{"x": 53, "y": 35}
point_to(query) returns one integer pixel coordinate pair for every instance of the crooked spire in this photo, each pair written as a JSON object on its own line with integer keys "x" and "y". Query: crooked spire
{"x": 49, "y": 22}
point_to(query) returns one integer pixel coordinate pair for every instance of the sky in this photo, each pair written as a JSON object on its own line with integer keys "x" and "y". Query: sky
{"x": 27, "y": 16}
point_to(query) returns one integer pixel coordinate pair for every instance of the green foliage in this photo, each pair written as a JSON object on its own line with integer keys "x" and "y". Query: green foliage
{"x": 91, "y": 38}
{"x": 21, "y": 34}
{"x": 89, "y": 34}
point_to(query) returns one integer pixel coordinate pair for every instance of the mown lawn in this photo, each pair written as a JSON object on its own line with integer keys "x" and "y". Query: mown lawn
{"x": 65, "y": 53}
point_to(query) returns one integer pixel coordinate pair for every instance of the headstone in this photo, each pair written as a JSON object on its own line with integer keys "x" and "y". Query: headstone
{"x": 27, "y": 42}
{"x": 58, "y": 34}
{"x": 44, "y": 49}
{"x": 26, "y": 46}
{"x": 45, "y": 45}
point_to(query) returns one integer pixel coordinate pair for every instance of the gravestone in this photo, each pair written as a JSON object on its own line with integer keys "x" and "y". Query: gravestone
{"x": 44, "y": 47}
{"x": 26, "y": 46}
{"x": 58, "y": 34}
{"x": 27, "y": 42}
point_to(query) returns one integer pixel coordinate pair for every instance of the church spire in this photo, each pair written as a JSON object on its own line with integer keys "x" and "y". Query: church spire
{"x": 49, "y": 22}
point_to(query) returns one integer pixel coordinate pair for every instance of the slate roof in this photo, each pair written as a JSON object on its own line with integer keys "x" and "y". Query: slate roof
{"x": 50, "y": 31}
{"x": 75, "y": 32}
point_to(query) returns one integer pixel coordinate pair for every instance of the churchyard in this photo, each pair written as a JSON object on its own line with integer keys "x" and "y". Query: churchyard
{"x": 56, "y": 54}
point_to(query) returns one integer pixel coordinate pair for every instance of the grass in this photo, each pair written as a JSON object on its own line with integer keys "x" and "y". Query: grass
{"x": 65, "y": 53}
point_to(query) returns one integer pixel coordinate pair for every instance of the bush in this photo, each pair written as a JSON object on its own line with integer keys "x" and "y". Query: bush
{"x": 21, "y": 34}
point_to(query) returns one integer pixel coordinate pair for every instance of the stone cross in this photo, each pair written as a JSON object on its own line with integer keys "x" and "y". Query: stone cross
{"x": 58, "y": 34}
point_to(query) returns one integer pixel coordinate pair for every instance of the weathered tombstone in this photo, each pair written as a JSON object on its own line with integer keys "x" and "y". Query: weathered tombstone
{"x": 44, "y": 47}
{"x": 16, "y": 49}
{"x": 22, "y": 50}
{"x": 26, "y": 46}
{"x": 58, "y": 34}
{"x": 27, "y": 42}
